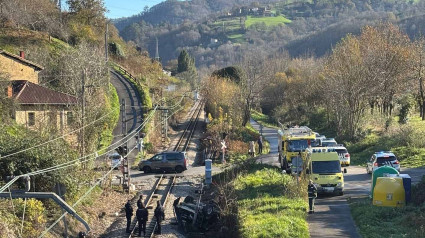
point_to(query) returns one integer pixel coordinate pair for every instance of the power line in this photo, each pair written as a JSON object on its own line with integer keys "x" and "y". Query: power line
{"x": 57, "y": 138}
{"x": 72, "y": 163}
{"x": 91, "y": 188}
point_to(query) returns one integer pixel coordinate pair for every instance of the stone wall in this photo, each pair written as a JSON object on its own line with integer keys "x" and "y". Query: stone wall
{"x": 15, "y": 70}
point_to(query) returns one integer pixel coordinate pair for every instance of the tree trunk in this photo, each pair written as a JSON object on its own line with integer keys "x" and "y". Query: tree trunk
{"x": 423, "y": 110}
{"x": 247, "y": 113}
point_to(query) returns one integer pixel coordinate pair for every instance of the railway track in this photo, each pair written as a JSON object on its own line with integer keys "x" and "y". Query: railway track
{"x": 165, "y": 183}
{"x": 188, "y": 132}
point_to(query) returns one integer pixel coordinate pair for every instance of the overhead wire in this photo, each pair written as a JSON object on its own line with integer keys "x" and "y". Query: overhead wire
{"x": 69, "y": 133}
{"x": 57, "y": 138}
{"x": 91, "y": 188}
{"x": 72, "y": 163}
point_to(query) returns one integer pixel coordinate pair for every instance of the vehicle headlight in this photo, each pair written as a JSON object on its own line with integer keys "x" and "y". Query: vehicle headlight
{"x": 339, "y": 184}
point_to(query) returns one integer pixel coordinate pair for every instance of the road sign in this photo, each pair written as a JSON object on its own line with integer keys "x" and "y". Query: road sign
{"x": 223, "y": 145}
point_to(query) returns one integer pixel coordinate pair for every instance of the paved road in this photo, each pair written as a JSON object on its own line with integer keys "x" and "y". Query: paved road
{"x": 332, "y": 216}
{"x": 133, "y": 110}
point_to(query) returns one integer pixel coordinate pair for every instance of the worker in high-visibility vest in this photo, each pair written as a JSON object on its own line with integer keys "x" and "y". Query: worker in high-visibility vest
{"x": 312, "y": 194}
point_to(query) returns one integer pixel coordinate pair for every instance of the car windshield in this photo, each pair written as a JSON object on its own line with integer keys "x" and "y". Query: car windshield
{"x": 326, "y": 167}
{"x": 297, "y": 145}
{"x": 328, "y": 143}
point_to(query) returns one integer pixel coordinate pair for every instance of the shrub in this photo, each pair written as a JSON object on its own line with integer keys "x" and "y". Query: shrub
{"x": 149, "y": 148}
{"x": 418, "y": 197}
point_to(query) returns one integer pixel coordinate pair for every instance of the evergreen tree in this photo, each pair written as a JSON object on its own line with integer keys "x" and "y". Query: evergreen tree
{"x": 185, "y": 62}
{"x": 186, "y": 68}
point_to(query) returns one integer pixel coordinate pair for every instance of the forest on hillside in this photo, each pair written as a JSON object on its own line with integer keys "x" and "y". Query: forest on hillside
{"x": 218, "y": 39}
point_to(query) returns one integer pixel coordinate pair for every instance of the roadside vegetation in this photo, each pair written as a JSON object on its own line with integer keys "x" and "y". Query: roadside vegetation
{"x": 263, "y": 119}
{"x": 374, "y": 221}
{"x": 70, "y": 46}
{"x": 406, "y": 141}
{"x": 262, "y": 201}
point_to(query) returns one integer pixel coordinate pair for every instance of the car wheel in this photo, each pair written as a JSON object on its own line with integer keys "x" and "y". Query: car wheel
{"x": 147, "y": 169}
{"x": 179, "y": 169}
{"x": 341, "y": 193}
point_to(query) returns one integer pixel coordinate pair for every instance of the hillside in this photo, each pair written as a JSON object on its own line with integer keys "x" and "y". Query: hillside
{"x": 45, "y": 130}
{"x": 176, "y": 12}
{"x": 297, "y": 27}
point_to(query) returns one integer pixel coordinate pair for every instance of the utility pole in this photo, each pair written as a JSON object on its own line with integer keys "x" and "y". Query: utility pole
{"x": 126, "y": 166}
{"x": 123, "y": 118}
{"x": 106, "y": 41}
{"x": 157, "y": 51}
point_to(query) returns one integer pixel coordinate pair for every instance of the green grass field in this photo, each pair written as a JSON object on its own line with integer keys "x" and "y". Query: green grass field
{"x": 269, "y": 21}
{"x": 264, "y": 207}
{"x": 375, "y": 222}
{"x": 407, "y": 143}
{"x": 236, "y": 38}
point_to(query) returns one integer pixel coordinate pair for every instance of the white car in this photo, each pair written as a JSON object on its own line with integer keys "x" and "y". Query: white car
{"x": 344, "y": 156}
{"x": 382, "y": 158}
{"x": 328, "y": 142}
{"x": 116, "y": 159}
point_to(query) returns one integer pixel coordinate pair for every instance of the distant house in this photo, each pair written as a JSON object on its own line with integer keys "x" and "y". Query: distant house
{"x": 16, "y": 67}
{"x": 37, "y": 106}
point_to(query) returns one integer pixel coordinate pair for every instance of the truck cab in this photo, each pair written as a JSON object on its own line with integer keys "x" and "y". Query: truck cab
{"x": 324, "y": 169}
{"x": 293, "y": 144}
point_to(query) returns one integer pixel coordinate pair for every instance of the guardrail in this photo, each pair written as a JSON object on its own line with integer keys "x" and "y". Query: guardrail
{"x": 126, "y": 72}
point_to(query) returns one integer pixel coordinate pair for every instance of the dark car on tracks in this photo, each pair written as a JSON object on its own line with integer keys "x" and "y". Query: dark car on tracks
{"x": 167, "y": 161}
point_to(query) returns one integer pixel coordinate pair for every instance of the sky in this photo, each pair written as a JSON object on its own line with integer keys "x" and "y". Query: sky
{"x": 126, "y": 8}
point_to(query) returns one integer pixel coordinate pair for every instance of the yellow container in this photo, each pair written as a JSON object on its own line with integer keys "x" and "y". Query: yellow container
{"x": 389, "y": 192}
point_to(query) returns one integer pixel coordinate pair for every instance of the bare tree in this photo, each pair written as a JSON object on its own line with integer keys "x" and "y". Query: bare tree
{"x": 259, "y": 70}
{"x": 418, "y": 70}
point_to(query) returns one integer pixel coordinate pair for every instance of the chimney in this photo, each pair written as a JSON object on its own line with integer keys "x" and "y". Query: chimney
{"x": 9, "y": 91}
{"x": 22, "y": 54}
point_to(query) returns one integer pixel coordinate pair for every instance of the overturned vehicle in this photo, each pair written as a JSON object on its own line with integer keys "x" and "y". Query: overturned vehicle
{"x": 207, "y": 215}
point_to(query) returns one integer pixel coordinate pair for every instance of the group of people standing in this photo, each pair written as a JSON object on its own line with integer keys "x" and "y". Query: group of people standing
{"x": 252, "y": 146}
{"x": 142, "y": 214}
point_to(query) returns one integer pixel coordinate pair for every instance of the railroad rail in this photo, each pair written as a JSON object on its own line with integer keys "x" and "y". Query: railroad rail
{"x": 190, "y": 129}
{"x": 165, "y": 183}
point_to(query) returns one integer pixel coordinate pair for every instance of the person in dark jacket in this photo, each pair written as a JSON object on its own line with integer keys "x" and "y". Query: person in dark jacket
{"x": 312, "y": 194}
{"x": 140, "y": 201}
{"x": 128, "y": 214}
{"x": 159, "y": 216}
{"x": 142, "y": 217}
{"x": 260, "y": 145}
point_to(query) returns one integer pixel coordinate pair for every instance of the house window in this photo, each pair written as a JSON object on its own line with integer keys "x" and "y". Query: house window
{"x": 31, "y": 118}
{"x": 69, "y": 118}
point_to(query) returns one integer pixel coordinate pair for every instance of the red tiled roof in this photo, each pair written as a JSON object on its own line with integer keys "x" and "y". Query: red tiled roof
{"x": 23, "y": 61}
{"x": 25, "y": 92}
